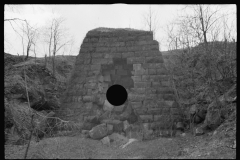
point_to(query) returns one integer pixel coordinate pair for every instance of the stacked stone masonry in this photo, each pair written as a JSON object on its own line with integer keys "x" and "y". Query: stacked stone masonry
{"x": 127, "y": 57}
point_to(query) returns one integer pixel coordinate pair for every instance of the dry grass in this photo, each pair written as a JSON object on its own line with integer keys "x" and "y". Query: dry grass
{"x": 161, "y": 148}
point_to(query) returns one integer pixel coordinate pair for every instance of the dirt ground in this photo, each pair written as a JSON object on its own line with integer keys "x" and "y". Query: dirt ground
{"x": 189, "y": 147}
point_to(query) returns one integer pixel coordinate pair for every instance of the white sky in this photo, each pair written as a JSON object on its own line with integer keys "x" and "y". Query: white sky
{"x": 82, "y": 18}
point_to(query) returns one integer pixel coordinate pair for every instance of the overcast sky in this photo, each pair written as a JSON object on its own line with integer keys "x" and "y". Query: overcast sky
{"x": 82, "y": 18}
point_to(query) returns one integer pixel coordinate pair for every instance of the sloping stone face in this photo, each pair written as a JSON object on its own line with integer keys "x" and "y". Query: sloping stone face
{"x": 127, "y": 57}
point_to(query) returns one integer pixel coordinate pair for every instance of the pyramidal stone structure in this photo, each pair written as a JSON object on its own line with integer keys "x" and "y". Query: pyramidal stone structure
{"x": 127, "y": 57}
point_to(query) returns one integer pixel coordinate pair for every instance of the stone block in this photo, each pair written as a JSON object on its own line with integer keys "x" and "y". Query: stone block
{"x": 136, "y": 97}
{"x": 116, "y": 54}
{"x": 117, "y": 67}
{"x": 136, "y": 78}
{"x": 166, "y": 110}
{"x": 175, "y": 111}
{"x": 79, "y": 98}
{"x": 92, "y": 79}
{"x": 154, "y": 111}
{"x": 150, "y": 104}
{"x": 142, "y": 84}
{"x": 143, "y": 42}
{"x": 163, "y": 118}
{"x": 146, "y": 118}
{"x": 118, "y": 109}
{"x": 118, "y": 127}
{"x": 128, "y": 67}
{"x": 162, "y": 71}
{"x": 140, "y": 72}
{"x": 89, "y": 92}
{"x": 107, "y": 106}
{"x": 88, "y": 126}
{"x": 158, "y": 125}
{"x": 150, "y": 90}
{"x": 169, "y": 97}
{"x": 93, "y": 40}
{"x": 121, "y": 72}
{"x": 130, "y": 43}
{"x": 120, "y": 61}
{"x": 151, "y": 96}
{"x": 118, "y": 139}
{"x": 158, "y": 59}
{"x": 126, "y": 125}
{"x": 100, "y": 78}
{"x": 165, "y": 83}
{"x": 154, "y": 65}
{"x": 156, "y": 85}
{"x": 120, "y": 44}
{"x": 145, "y": 78}
{"x": 88, "y": 105}
{"x": 146, "y": 38}
{"x": 127, "y": 54}
{"x": 81, "y": 92}
{"x": 84, "y": 50}
{"x": 112, "y": 50}
{"x": 158, "y": 117}
{"x": 86, "y": 61}
{"x": 135, "y": 60}
{"x": 146, "y": 126}
{"x": 165, "y": 90}
{"x": 112, "y": 72}
{"x": 110, "y": 128}
{"x": 98, "y": 132}
{"x": 100, "y": 99}
{"x": 90, "y": 85}
{"x": 145, "y": 48}
{"x": 161, "y": 104}
{"x": 97, "y": 55}
{"x": 107, "y": 78}
{"x": 99, "y": 60}
{"x": 141, "y": 111}
{"x": 122, "y": 49}
{"x": 126, "y": 82}
{"x": 100, "y": 44}
{"x": 152, "y": 71}
{"x": 137, "y": 66}
{"x": 114, "y": 78}
{"x": 95, "y": 67}
{"x": 131, "y": 48}
{"x": 91, "y": 119}
{"x": 136, "y": 105}
{"x": 138, "y": 90}
{"x": 170, "y": 103}
{"x": 101, "y": 49}
{"x": 88, "y": 98}
{"x": 106, "y": 141}
{"x": 108, "y": 55}
{"x": 154, "y": 47}
{"x": 93, "y": 73}
{"x": 159, "y": 77}
{"x": 139, "y": 54}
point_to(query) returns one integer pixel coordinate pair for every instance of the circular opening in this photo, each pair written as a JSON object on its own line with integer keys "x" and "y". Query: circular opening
{"x": 116, "y": 95}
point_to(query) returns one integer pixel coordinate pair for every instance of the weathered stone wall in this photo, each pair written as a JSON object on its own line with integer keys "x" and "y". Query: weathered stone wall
{"x": 127, "y": 57}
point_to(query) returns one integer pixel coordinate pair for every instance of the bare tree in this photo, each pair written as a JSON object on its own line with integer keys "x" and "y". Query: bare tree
{"x": 56, "y": 37}
{"x": 15, "y": 20}
{"x": 204, "y": 59}
{"x": 31, "y": 37}
{"x": 151, "y": 20}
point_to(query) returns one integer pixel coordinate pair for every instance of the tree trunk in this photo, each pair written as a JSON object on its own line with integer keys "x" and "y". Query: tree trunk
{"x": 45, "y": 60}
{"x": 53, "y": 65}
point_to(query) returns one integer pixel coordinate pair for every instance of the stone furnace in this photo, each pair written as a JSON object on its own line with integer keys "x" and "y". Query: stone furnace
{"x": 127, "y": 57}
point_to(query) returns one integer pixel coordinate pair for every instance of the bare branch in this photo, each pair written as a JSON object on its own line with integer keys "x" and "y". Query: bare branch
{"x": 14, "y": 19}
